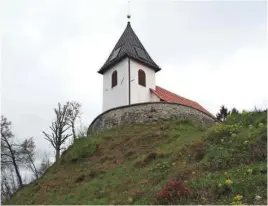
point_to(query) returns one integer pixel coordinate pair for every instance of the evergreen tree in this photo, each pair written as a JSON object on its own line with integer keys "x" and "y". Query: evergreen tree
{"x": 222, "y": 115}
{"x": 234, "y": 111}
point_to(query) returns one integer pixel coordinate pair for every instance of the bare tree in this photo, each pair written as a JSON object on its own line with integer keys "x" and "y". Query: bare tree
{"x": 27, "y": 151}
{"x": 8, "y": 183}
{"x": 57, "y": 137}
{"x": 9, "y": 152}
{"x": 45, "y": 164}
{"x": 82, "y": 132}
{"x": 6, "y": 190}
{"x": 74, "y": 113}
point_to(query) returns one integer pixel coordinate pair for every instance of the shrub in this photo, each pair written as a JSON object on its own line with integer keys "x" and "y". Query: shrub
{"x": 237, "y": 200}
{"x": 173, "y": 191}
{"x": 223, "y": 130}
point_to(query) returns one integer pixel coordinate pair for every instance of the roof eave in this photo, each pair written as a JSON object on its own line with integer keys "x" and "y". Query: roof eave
{"x": 155, "y": 68}
{"x": 105, "y": 68}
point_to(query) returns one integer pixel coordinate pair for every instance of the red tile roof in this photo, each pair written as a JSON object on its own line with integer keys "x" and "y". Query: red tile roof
{"x": 168, "y": 96}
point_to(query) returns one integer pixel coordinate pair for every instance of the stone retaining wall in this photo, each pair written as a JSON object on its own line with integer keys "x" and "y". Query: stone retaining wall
{"x": 147, "y": 113}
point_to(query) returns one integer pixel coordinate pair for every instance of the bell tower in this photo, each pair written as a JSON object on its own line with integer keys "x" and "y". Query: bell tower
{"x": 128, "y": 73}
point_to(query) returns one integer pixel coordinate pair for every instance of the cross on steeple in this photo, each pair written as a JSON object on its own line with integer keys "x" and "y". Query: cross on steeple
{"x": 128, "y": 13}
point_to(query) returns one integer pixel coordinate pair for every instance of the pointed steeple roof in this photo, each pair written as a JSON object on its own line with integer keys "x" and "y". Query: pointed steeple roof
{"x": 130, "y": 46}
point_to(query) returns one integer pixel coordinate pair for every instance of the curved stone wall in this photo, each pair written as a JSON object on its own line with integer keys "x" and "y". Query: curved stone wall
{"x": 147, "y": 113}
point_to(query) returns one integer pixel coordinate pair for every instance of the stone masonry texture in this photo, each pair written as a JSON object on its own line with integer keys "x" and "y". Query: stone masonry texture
{"x": 147, "y": 113}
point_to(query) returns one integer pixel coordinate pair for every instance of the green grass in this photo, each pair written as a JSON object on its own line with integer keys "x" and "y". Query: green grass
{"x": 132, "y": 163}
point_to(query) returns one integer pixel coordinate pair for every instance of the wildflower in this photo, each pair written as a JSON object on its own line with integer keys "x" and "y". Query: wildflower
{"x": 238, "y": 197}
{"x": 249, "y": 171}
{"x": 237, "y": 203}
{"x": 225, "y": 173}
{"x": 228, "y": 181}
{"x": 258, "y": 197}
{"x": 219, "y": 184}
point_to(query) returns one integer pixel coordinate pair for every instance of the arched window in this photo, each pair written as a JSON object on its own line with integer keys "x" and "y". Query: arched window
{"x": 142, "y": 78}
{"x": 114, "y": 78}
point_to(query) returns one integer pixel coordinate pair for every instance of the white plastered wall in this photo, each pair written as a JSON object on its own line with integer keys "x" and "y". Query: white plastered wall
{"x": 140, "y": 93}
{"x": 118, "y": 95}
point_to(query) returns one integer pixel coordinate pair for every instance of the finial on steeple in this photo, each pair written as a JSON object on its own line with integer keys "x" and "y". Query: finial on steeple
{"x": 128, "y": 15}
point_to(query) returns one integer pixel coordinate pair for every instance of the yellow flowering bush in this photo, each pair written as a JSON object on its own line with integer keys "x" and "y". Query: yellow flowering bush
{"x": 228, "y": 181}
{"x": 238, "y": 197}
{"x": 223, "y": 130}
{"x": 237, "y": 200}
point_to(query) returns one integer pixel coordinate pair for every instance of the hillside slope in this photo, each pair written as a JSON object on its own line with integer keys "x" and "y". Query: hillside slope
{"x": 164, "y": 163}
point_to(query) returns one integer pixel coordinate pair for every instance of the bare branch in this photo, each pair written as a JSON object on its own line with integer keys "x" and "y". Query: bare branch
{"x": 7, "y": 148}
{"x": 59, "y": 127}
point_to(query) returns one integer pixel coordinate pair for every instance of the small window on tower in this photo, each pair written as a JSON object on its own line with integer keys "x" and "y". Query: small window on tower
{"x": 142, "y": 78}
{"x": 114, "y": 78}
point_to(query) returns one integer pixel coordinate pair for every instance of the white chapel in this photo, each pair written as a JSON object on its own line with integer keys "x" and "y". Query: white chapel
{"x": 129, "y": 76}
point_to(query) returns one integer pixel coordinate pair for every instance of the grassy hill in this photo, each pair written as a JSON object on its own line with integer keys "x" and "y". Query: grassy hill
{"x": 163, "y": 163}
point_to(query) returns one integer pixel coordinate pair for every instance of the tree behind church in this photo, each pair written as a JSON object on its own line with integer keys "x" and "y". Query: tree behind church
{"x": 223, "y": 113}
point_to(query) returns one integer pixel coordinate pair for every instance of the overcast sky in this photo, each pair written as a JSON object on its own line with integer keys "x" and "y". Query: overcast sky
{"x": 212, "y": 52}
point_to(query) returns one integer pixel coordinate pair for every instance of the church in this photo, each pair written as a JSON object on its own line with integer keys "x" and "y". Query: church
{"x": 129, "y": 76}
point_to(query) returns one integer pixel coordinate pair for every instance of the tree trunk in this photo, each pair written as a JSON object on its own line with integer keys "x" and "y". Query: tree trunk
{"x": 34, "y": 168}
{"x": 17, "y": 170}
{"x": 16, "y": 167}
{"x": 6, "y": 190}
{"x": 57, "y": 154}
{"x": 73, "y": 129}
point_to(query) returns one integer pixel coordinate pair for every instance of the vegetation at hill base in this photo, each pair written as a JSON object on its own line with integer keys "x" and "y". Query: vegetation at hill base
{"x": 172, "y": 162}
